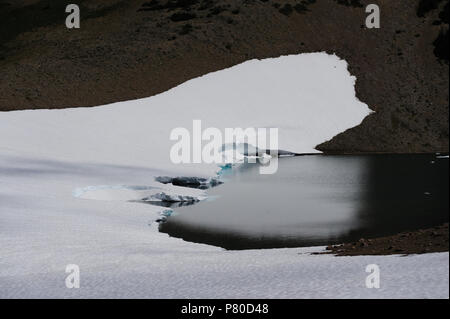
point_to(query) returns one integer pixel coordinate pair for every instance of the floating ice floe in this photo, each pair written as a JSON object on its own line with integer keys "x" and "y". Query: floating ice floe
{"x": 190, "y": 181}
{"x": 168, "y": 193}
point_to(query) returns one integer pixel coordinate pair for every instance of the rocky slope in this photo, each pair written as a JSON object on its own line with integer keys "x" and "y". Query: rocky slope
{"x": 132, "y": 49}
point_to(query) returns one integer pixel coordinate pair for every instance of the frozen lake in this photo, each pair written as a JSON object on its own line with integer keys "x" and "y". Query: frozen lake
{"x": 318, "y": 200}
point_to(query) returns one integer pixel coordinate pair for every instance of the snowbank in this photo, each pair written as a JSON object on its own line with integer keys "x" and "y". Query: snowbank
{"x": 309, "y": 97}
{"x": 47, "y": 156}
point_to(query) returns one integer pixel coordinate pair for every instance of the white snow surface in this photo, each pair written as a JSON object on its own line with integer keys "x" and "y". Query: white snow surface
{"x": 54, "y": 162}
{"x": 309, "y": 97}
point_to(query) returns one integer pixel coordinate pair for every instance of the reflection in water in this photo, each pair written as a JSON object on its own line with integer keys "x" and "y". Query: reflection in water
{"x": 318, "y": 200}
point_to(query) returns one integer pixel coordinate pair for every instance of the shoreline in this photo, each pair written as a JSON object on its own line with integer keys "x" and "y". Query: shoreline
{"x": 422, "y": 241}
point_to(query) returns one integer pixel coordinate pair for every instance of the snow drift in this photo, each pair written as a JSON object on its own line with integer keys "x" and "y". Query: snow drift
{"x": 309, "y": 97}
{"x": 47, "y": 154}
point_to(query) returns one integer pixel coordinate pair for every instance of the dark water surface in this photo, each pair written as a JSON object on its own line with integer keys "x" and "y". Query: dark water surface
{"x": 318, "y": 200}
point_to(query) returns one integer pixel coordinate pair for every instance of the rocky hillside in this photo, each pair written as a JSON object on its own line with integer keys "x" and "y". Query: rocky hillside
{"x": 127, "y": 49}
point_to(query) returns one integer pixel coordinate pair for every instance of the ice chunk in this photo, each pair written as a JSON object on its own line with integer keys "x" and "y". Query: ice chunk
{"x": 167, "y": 193}
{"x": 163, "y": 196}
{"x": 192, "y": 182}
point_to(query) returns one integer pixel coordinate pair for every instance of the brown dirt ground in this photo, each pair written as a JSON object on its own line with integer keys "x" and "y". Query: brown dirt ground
{"x": 422, "y": 241}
